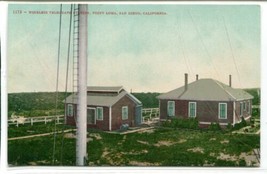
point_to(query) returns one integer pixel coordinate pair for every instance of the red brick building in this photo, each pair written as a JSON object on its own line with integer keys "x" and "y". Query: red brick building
{"x": 108, "y": 108}
{"x": 209, "y": 100}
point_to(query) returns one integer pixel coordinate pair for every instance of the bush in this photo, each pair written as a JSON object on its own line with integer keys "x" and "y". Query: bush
{"x": 190, "y": 123}
{"x": 215, "y": 127}
{"x": 229, "y": 126}
{"x": 240, "y": 125}
{"x": 255, "y": 112}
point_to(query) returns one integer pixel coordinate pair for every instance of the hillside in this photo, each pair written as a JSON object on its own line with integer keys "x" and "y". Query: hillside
{"x": 43, "y": 103}
{"x": 35, "y": 103}
{"x": 255, "y": 92}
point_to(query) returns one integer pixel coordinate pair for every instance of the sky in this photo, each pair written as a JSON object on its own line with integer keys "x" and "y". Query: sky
{"x": 143, "y": 53}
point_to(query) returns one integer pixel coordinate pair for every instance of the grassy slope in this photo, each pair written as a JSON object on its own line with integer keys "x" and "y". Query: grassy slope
{"x": 35, "y": 104}
{"x": 254, "y": 93}
{"x": 43, "y": 103}
{"x": 123, "y": 150}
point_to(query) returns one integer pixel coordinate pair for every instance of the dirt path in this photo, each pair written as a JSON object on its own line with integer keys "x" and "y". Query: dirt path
{"x": 38, "y": 135}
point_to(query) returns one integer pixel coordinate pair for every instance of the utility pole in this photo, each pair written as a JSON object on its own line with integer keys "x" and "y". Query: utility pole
{"x": 81, "y": 144}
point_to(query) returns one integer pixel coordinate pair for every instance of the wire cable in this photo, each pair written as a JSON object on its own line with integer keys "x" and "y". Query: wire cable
{"x": 232, "y": 52}
{"x": 183, "y": 49}
{"x": 205, "y": 48}
{"x": 57, "y": 79}
{"x": 66, "y": 84}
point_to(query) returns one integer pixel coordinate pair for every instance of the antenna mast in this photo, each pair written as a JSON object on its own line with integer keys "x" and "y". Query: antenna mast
{"x": 81, "y": 143}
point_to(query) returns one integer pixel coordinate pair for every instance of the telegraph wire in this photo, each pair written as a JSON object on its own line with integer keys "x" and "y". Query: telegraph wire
{"x": 57, "y": 81}
{"x": 183, "y": 49}
{"x": 205, "y": 48}
{"x": 66, "y": 83}
{"x": 232, "y": 52}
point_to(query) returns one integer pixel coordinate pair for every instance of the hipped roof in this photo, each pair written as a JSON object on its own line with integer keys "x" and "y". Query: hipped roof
{"x": 104, "y": 98}
{"x": 206, "y": 90}
{"x": 104, "y": 88}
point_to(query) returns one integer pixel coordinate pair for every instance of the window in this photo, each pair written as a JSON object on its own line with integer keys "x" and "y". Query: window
{"x": 222, "y": 111}
{"x": 245, "y": 106}
{"x": 124, "y": 112}
{"x": 99, "y": 113}
{"x": 70, "y": 110}
{"x": 241, "y": 109}
{"x": 192, "y": 109}
{"x": 171, "y": 108}
{"x": 248, "y": 108}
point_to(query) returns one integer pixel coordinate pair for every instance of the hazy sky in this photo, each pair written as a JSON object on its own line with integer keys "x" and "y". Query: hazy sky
{"x": 141, "y": 52}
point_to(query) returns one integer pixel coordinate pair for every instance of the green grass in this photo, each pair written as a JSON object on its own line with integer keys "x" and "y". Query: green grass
{"x": 37, "y": 128}
{"x": 123, "y": 150}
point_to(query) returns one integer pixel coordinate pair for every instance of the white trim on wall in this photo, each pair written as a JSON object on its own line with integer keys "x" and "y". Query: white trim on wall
{"x": 173, "y": 111}
{"x": 219, "y": 111}
{"x": 110, "y": 118}
{"x": 195, "y": 114}
{"x": 97, "y": 116}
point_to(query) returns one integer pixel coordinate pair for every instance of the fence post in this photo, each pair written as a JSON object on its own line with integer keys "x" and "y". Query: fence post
{"x": 31, "y": 121}
{"x": 17, "y": 123}
{"x": 57, "y": 119}
{"x": 45, "y": 120}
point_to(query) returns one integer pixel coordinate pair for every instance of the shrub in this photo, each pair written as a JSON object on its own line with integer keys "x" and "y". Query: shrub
{"x": 190, "y": 123}
{"x": 255, "y": 112}
{"x": 215, "y": 127}
{"x": 240, "y": 125}
{"x": 229, "y": 126}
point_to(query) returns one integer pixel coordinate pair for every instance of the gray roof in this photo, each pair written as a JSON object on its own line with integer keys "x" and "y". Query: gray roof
{"x": 102, "y": 99}
{"x": 207, "y": 90}
{"x": 104, "y": 88}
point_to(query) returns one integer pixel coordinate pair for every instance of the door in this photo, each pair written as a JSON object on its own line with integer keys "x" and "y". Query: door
{"x": 91, "y": 116}
{"x": 138, "y": 115}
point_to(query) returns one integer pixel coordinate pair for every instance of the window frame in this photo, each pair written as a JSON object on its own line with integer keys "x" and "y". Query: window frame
{"x": 97, "y": 113}
{"x": 195, "y": 109}
{"x": 248, "y": 108}
{"x": 123, "y": 117}
{"x": 69, "y": 105}
{"x": 168, "y": 108}
{"x": 219, "y": 111}
{"x": 241, "y": 109}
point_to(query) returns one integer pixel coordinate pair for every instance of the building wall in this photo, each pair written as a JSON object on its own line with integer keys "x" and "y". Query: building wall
{"x": 71, "y": 120}
{"x": 117, "y": 113}
{"x": 100, "y": 124}
{"x": 207, "y": 111}
{"x": 246, "y": 112}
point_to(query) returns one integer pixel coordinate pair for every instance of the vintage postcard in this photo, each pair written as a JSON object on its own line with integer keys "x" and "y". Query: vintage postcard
{"x": 134, "y": 85}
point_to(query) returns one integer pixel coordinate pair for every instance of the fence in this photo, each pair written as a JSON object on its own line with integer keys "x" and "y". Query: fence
{"x": 147, "y": 114}
{"x": 17, "y": 120}
{"x": 150, "y": 114}
{"x": 256, "y": 106}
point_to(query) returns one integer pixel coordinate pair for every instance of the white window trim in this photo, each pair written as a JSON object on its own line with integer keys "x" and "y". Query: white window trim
{"x": 101, "y": 112}
{"x": 122, "y": 113}
{"x": 173, "y": 108}
{"x": 68, "y": 114}
{"x": 219, "y": 116}
{"x": 248, "y": 108}
{"x": 195, "y": 114}
{"x": 245, "y": 106}
{"x": 95, "y": 115}
{"x": 241, "y": 109}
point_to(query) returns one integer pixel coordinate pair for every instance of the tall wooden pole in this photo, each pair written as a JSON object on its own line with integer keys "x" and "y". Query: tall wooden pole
{"x": 82, "y": 89}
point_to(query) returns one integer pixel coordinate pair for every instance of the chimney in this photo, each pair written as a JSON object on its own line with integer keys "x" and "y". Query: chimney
{"x": 197, "y": 77}
{"x": 230, "y": 80}
{"x": 185, "y": 81}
